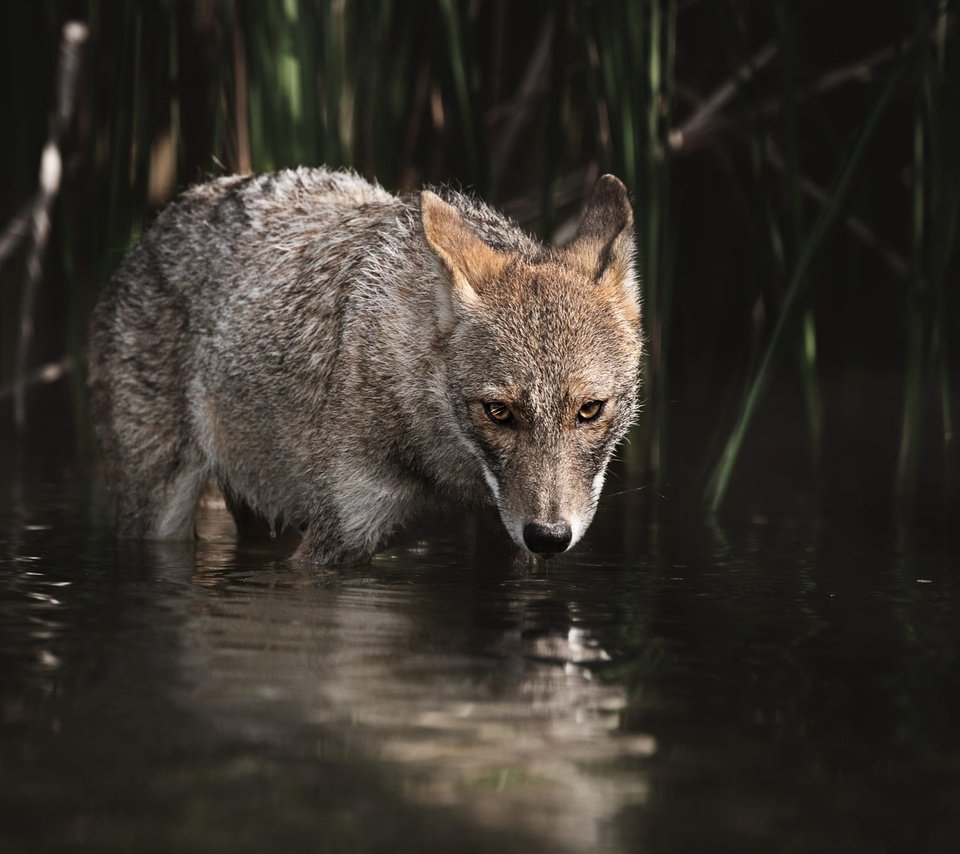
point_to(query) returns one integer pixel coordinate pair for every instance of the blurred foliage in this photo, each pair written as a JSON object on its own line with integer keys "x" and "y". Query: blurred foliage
{"x": 794, "y": 168}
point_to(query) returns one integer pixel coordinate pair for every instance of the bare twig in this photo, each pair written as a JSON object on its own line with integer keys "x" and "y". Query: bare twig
{"x": 51, "y": 171}
{"x": 856, "y": 226}
{"x": 701, "y": 121}
{"x": 863, "y": 69}
{"x": 49, "y": 373}
{"x": 17, "y": 229}
{"x": 708, "y": 120}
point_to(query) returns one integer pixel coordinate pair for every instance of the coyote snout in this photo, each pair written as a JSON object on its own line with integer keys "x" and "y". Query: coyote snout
{"x": 544, "y": 352}
{"x": 335, "y": 356}
{"x": 547, "y": 506}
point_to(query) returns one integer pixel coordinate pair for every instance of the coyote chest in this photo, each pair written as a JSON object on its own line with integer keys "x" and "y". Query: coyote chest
{"x": 336, "y": 356}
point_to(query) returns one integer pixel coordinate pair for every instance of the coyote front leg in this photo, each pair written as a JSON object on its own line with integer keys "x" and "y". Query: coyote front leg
{"x": 351, "y": 522}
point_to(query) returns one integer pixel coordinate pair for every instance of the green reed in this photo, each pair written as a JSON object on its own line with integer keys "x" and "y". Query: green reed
{"x": 528, "y": 104}
{"x": 793, "y": 303}
{"x": 934, "y": 222}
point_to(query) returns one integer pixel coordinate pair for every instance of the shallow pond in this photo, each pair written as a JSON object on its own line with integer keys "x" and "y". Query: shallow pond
{"x": 778, "y": 685}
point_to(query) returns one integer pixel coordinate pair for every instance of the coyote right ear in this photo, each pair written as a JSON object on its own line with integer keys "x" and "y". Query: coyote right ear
{"x": 603, "y": 245}
{"x": 470, "y": 261}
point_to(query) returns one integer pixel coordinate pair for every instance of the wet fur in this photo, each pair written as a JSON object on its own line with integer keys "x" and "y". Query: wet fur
{"x": 323, "y": 348}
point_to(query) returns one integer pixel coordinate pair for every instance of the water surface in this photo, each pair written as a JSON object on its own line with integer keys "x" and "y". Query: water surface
{"x": 782, "y": 684}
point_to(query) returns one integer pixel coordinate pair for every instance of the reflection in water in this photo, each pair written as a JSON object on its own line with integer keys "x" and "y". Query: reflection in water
{"x": 492, "y": 708}
{"x": 783, "y": 686}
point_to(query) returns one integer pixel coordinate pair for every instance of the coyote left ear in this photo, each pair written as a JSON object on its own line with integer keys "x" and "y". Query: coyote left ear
{"x": 603, "y": 245}
{"x": 470, "y": 261}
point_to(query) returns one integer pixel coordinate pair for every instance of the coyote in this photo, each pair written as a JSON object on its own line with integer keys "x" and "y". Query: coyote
{"x": 335, "y": 356}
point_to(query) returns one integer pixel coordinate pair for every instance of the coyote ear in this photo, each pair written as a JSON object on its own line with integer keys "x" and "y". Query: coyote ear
{"x": 470, "y": 261}
{"x": 603, "y": 245}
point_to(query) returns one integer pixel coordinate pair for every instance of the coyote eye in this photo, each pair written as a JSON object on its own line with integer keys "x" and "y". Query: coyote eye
{"x": 590, "y": 410}
{"x": 498, "y": 412}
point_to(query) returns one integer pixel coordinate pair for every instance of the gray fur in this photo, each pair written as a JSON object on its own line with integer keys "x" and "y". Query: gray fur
{"x": 296, "y": 337}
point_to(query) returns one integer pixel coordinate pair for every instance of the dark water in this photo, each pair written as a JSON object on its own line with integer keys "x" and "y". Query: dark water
{"x": 778, "y": 685}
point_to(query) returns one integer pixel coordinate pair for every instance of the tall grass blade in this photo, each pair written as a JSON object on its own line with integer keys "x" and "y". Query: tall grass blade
{"x": 720, "y": 478}
{"x": 806, "y": 347}
{"x": 916, "y": 372}
{"x": 936, "y": 199}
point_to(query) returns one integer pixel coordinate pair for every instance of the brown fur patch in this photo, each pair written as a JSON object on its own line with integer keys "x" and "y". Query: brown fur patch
{"x": 470, "y": 261}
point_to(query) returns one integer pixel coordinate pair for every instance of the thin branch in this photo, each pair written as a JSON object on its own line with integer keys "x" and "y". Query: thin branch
{"x": 17, "y": 229}
{"x": 74, "y": 36}
{"x": 44, "y": 375}
{"x": 707, "y": 121}
{"x": 702, "y": 120}
{"x": 856, "y": 226}
{"x": 863, "y": 69}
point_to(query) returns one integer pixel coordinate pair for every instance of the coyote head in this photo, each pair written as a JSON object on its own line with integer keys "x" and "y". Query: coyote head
{"x": 542, "y": 360}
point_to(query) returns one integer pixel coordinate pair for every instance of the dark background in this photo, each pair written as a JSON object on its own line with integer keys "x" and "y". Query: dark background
{"x": 795, "y": 169}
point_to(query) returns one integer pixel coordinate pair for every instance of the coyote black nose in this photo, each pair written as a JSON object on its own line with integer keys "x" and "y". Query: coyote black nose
{"x": 544, "y": 538}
